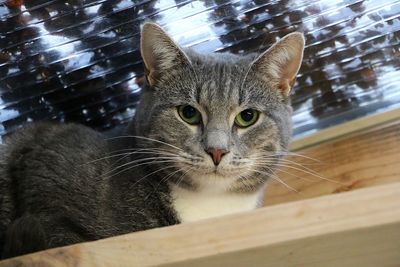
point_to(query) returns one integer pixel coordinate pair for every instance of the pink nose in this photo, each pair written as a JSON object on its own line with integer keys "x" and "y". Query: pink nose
{"x": 216, "y": 154}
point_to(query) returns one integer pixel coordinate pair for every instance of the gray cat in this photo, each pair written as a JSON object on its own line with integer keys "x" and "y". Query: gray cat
{"x": 207, "y": 135}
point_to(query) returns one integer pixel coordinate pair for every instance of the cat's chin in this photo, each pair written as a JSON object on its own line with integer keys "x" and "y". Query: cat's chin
{"x": 217, "y": 173}
{"x": 216, "y": 178}
{"x": 214, "y": 182}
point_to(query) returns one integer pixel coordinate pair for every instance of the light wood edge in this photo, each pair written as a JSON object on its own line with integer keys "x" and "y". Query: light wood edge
{"x": 344, "y": 129}
{"x": 344, "y": 230}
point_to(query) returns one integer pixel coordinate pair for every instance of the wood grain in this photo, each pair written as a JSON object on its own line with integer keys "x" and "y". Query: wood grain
{"x": 361, "y": 160}
{"x": 349, "y": 127}
{"x": 359, "y": 228}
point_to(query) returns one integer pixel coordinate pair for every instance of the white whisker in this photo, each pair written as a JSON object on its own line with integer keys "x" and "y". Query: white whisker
{"x": 276, "y": 178}
{"x": 313, "y": 173}
{"x": 145, "y": 138}
{"x": 156, "y": 171}
{"x": 283, "y": 153}
{"x": 167, "y": 160}
{"x": 128, "y": 154}
{"x": 165, "y": 178}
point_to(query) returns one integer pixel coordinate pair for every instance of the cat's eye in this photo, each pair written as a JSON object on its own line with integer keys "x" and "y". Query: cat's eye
{"x": 189, "y": 114}
{"x": 246, "y": 118}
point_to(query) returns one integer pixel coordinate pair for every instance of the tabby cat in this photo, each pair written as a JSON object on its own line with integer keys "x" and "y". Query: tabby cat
{"x": 206, "y": 137}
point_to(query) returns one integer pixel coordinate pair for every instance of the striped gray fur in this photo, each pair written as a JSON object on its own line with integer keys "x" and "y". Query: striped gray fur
{"x": 63, "y": 184}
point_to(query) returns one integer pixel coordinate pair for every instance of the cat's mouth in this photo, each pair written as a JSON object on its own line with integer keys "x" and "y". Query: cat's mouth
{"x": 216, "y": 170}
{"x": 221, "y": 172}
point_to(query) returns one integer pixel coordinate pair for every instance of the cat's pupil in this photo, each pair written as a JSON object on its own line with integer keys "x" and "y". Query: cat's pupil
{"x": 189, "y": 112}
{"x": 247, "y": 115}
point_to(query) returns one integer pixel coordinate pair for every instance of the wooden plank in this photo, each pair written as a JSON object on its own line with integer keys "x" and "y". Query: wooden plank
{"x": 361, "y": 160}
{"x": 346, "y": 128}
{"x": 360, "y": 228}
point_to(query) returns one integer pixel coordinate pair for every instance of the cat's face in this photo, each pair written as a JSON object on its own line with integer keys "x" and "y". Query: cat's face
{"x": 225, "y": 118}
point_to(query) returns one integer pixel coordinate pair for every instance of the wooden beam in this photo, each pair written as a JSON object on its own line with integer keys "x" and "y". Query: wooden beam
{"x": 346, "y": 128}
{"x": 360, "y": 228}
{"x": 360, "y": 160}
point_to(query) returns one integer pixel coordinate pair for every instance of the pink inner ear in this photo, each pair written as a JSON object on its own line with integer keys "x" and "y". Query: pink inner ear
{"x": 151, "y": 77}
{"x": 161, "y": 55}
{"x": 281, "y": 62}
{"x": 285, "y": 85}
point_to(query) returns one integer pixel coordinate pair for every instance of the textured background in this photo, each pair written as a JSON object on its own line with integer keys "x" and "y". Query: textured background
{"x": 78, "y": 60}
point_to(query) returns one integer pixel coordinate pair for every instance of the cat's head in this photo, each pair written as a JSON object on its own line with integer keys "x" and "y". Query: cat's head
{"x": 222, "y": 120}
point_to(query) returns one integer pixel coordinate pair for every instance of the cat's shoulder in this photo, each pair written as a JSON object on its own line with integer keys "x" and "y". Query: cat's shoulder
{"x": 55, "y": 136}
{"x": 53, "y": 132}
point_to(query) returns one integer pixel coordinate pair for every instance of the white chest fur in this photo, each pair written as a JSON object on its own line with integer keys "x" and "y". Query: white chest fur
{"x": 192, "y": 206}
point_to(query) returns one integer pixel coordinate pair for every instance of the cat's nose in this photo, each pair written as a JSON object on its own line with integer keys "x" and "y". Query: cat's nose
{"x": 216, "y": 154}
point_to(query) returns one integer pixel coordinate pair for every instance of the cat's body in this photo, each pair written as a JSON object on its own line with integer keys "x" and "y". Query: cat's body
{"x": 206, "y": 137}
{"x": 51, "y": 177}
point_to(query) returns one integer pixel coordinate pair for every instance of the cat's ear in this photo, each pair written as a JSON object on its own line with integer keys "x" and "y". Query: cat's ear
{"x": 280, "y": 63}
{"x": 161, "y": 55}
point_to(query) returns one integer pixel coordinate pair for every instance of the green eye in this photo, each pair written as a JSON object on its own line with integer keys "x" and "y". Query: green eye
{"x": 189, "y": 114}
{"x": 246, "y": 118}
